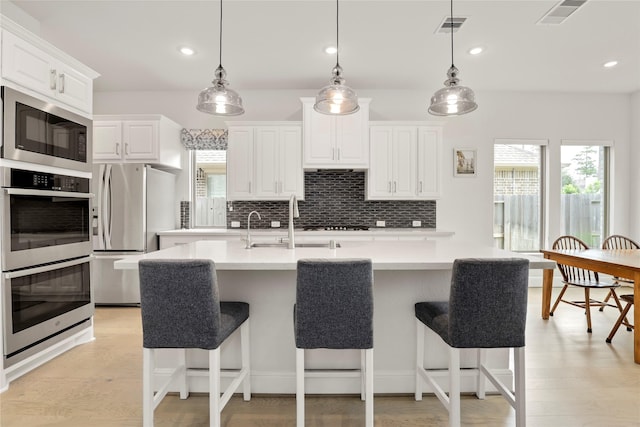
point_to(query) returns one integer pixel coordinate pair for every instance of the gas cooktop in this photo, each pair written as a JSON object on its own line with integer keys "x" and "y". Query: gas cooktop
{"x": 336, "y": 227}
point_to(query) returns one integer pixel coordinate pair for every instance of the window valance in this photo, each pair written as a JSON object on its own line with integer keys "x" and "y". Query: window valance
{"x": 204, "y": 139}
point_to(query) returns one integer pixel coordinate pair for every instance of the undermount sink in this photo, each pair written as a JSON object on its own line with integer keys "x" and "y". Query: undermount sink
{"x": 298, "y": 245}
{"x": 316, "y": 245}
{"x": 268, "y": 245}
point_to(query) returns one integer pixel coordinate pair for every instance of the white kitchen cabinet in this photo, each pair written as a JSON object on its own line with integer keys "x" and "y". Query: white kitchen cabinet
{"x": 429, "y": 162}
{"x": 152, "y": 139}
{"x": 393, "y": 165}
{"x": 335, "y": 142}
{"x": 34, "y": 66}
{"x": 405, "y": 162}
{"x": 264, "y": 161}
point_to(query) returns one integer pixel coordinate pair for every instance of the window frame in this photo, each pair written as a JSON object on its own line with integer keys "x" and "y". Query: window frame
{"x": 543, "y": 144}
{"x": 608, "y": 146}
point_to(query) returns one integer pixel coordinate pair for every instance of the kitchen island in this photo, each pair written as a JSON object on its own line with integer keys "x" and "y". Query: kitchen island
{"x": 405, "y": 272}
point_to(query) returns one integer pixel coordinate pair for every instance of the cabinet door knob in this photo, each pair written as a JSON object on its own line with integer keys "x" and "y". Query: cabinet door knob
{"x": 61, "y": 88}
{"x": 389, "y": 186}
{"x": 117, "y": 148}
{"x": 421, "y": 186}
{"x": 395, "y": 186}
{"x": 126, "y": 148}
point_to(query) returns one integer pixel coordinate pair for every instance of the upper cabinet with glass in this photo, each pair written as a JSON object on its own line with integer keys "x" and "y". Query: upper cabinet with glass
{"x": 335, "y": 142}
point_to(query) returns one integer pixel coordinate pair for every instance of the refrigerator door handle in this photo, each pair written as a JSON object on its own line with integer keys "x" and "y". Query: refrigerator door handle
{"x": 100, "y": 202}
{"x": 106, "y": 207}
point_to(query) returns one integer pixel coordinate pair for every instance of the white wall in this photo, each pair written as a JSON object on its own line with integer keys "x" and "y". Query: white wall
{"x": 466, "y": 206}
{"x": 634, "y": 175}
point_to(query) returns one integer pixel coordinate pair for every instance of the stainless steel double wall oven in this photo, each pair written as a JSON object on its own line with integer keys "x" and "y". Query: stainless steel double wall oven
{"x": 45, "y": 225}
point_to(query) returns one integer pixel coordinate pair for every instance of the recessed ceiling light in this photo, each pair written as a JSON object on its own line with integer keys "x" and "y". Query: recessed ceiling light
{"x": 610, "y": 64}
{"x": 330, "y": 50}
{"x": 476, "y": 50}
{"x": 187, "y": 51}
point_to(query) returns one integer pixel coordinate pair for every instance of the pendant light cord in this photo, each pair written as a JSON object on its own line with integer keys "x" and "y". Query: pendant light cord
{"x": 451, "y": 32}
{"x": 337, "y": 33}
{"x": 220, "y": 63}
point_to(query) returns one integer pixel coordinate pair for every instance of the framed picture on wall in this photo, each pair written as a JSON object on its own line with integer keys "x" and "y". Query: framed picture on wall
{"x": 464, "y": 162}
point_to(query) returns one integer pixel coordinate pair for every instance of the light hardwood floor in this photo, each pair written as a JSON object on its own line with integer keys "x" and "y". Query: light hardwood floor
{"x": 573, "y": 379}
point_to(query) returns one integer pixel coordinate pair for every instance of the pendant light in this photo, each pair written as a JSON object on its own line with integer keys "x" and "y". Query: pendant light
{"x": 452, "y": 100}
{"x": 336, "y": 98}
{"x": 219, "y": 99}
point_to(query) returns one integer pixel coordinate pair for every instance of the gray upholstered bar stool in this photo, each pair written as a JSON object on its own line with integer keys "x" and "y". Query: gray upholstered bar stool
{"x": 487, "y": 308}
{"x": 181, "y": 309}
{"x": 334, "y": 309}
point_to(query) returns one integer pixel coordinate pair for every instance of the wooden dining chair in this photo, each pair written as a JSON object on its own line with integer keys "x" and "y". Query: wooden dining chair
{"x": 614, "y": 242}
{"x": 580, "y": 277}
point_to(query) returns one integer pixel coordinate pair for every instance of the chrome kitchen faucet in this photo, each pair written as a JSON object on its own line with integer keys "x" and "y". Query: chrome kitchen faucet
{"x": 249, "y": 228}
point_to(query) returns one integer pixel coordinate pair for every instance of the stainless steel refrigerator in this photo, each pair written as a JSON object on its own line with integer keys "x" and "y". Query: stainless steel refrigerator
{"x": 132, "y": 203}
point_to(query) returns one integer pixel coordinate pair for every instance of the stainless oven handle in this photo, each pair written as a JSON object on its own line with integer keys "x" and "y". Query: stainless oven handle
{"x": 48, "y": 267}
{"x": 26, "y": 192}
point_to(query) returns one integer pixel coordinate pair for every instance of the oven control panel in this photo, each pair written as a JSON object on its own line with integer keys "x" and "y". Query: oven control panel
{"x": 48, "y": 181}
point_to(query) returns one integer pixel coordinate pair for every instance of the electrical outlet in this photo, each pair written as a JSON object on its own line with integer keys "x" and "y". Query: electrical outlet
{"x": 380, "y": 224}
{"x": 416, "y": 223}
{"x": 275, "y": 224}
{"x": 235, "y": 224}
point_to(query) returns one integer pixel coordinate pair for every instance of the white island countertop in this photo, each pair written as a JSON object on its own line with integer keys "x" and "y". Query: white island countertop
{"x": 386, "y": 255}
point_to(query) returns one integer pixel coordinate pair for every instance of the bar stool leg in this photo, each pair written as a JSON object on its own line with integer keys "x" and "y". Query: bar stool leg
{"x": 482, "y": 379}
{"x": 246, "y": 359}
{"x": 369, "y": 417}
{"x": 519, "y": 385}
{"x": 214, "y": 387}
{"x": 454, "y": 387}
{"x": 184, "y": 382}
{"x": 419, "y": 358}
{"x": 148, "y": 363}
{"x": 363, "y": 378}
{"x": 300, "y": 387}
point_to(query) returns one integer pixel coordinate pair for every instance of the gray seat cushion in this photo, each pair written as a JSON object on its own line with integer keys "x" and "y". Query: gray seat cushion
{"x": 487, "y": 306}
{"x": 181, "y": 308}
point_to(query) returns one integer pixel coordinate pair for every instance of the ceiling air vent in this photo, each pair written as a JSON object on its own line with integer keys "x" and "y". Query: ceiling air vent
{"x": 560, "y": 12}
{"x": 445, "y": 25}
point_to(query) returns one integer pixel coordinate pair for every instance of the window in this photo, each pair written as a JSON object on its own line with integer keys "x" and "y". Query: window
{"x": 584, "y": 191}
{"x": 518, "y": 194}
{"x": 210, "y": 188}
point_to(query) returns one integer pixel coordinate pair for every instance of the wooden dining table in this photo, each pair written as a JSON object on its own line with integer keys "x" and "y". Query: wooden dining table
{"x": 615, "y": 262}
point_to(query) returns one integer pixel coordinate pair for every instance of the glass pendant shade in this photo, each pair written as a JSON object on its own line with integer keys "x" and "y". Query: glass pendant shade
{"x": 219, "y": 99}
{"x": 336, "y": 98}
{"x": 452, "y": 100}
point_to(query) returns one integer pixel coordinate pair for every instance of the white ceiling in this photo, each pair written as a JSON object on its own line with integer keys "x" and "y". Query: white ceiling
{"x": 384, "y": 44}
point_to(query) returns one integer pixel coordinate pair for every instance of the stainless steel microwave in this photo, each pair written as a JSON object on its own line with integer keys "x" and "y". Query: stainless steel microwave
{"x": 36, "y": 131}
